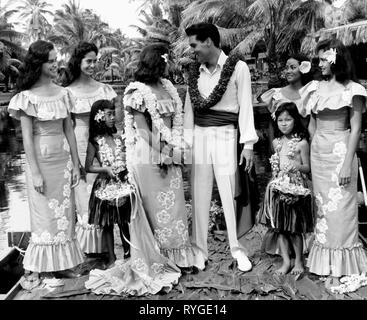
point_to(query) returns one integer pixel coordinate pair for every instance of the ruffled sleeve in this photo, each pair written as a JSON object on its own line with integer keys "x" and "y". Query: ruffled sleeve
{"x": 272, "y": 98}
{"x": 20, "y": 102}
{"x": 42, "y": 108}
{"x": 357, "y": 89}
{"x": 308, "y": 97}
{"x": 134, "y": 99}
{"x": 84, "y": 102}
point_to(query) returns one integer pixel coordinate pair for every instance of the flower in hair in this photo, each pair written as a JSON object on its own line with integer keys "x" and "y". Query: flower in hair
{"x": 305, "y": 67}
{"x": 165, "y": 57}
{"x": 100, "y": 116}
{"x": 330, "y": 55}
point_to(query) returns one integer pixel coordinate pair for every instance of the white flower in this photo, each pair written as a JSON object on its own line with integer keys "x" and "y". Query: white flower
{"x": 165, "y": 57}
{"x": 62, "y": 224}
{"x": 157, "y": 268}
{"x": 60, "y": 237}
{"x": 180, "y": 227}
{"x": 66, "y": 203}
{"x": 330, "y": 55}
{"x": 166, "y": 199}
{"x": 175, "y": 183}
{"x": 69, "y": 165}
{"x": 163, "y": 217}
{"x": 321, "y": 225}
{"x": 167, "y": 232}
{"x": 159, "y": 235}
{"x": 67, "y": 191}
{"x": 334, "y": 177}
{"x": 185, "y": 236}
{"x": 320, "y": 237}
{"x": 67, "y": 174}
{"x": 332, "y": 206}
{"x": 305, "y": 67}
{"x": 139, "y": 265}
{"x": 335, "y": 194}
{"x": 340, "y": 149}
{"x": 45, "y": 237}
{"x": 59, "y": 212}
{"x": 53, "y": 203}
{"x": 100, "y": 116}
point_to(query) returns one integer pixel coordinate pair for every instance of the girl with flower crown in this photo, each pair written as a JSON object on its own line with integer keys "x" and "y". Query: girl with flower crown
{"x": 336, "y": 105}
{"x": 287, "y": 206}
{"x": 109, "y": 202}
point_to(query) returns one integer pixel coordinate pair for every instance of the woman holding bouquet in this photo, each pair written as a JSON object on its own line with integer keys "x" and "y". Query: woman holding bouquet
{"x": 287, "y": 206}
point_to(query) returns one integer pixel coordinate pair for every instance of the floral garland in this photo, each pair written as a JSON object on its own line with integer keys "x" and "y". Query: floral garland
{"x": 275, "y": 158}
{"x": 216, "y": 95}
{"x": 143, "y": 94}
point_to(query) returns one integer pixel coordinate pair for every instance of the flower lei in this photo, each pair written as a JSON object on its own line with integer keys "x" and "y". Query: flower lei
{"x": 142, "y": 93}
{"x": 275, "y": 158}
{"x": 216, "y": 95}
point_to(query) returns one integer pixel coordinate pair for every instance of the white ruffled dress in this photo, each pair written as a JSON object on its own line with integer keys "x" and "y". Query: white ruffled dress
{"x": 89, "y": 236}
{"x": 53, "y": 245}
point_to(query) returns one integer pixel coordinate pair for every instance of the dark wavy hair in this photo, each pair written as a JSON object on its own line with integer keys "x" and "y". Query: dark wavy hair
{"x": 99, "y": 128}
{"x": 73, "y": 68}
{"x": 305, "y": 77}
{"x": 203, "y": 31}
{"x": 151, "y": 65}
{"x": 343, "y": 69}
{"x": 298, "y": 128}
{"x": 31, "y": 69}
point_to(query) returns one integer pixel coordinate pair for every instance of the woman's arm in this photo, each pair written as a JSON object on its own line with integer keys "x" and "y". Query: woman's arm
{"x": 355, "y": 116}
{"x": 145, "y": 132}
{"x": 27, "y": 134}
{"x": 89, "y": 167}
{"x": 312, "y": 126}
{"x": 304, "y": 148}
{"x": 70, "y": 137}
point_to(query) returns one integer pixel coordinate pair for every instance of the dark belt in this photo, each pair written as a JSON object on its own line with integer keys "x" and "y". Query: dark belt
{"x": 213, "y": 118}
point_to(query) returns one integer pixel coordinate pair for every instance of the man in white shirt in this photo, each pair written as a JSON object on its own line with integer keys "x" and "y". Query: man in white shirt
{"x": 217, "y": 108}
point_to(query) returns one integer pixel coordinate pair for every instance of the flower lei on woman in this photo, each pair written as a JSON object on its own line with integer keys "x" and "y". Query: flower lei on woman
{"x": 201, "y": 104}
{"x": 143, "y": 94}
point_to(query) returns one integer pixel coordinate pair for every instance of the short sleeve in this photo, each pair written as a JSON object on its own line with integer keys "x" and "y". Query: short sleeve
{"x": 267, "y": 96}
{"x": 134, "y": 99}
{"x": 359, "y": 90}
{"x": 308, "y": 97}
{"x": 108, "y": 92}
{"x": 20, "y": 102}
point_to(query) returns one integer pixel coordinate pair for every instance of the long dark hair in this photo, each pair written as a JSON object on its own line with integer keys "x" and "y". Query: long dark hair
{"x": 298, "y": 128}
{"x": 31, "y": 69}
{"x": 299, "y": 57}
{"x": 73, "y": 68}
{"x": 151, "y": 65}
{"x": 343, "y": 68}
{"x": 99, "y": 128}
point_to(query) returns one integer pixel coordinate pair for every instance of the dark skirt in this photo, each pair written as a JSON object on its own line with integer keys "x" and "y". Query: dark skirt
{"x": 286, "y": 213}
{"x": 106, "y": 213}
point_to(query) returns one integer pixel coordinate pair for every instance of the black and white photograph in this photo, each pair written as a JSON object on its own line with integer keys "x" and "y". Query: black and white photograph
{"x": 181, "y": 156}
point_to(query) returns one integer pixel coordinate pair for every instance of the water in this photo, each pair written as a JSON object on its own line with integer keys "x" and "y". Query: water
{"x": 14, "y": 211}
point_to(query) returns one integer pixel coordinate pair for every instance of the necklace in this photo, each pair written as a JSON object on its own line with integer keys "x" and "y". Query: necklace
{"x": 275, "y": 158}
{"x": 201, "y": 104}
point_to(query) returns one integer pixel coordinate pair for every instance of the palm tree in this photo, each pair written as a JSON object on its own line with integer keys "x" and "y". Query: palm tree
{"x": 34, "y": 13}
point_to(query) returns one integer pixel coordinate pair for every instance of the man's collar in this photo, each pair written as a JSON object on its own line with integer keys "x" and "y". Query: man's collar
{"x": 221, "y": 60}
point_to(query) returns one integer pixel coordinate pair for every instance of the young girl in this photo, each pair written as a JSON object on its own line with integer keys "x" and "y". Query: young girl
{"x": 109, "y": 202}
{"x": 287, "y": 206}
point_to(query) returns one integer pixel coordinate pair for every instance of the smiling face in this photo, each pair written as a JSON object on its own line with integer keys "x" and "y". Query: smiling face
{"x": 200, "y": 48}
{"x": 88, "y": 63}
{"x": 285, "y": 123}
{"x": 109, "y": 117}
{"x": 324, "y": 64}
{"x": 49, "y": 68}
{"x": 292, "y": 72}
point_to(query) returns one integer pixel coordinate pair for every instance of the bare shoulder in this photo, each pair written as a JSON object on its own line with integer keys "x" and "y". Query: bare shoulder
{"x": 303, "y": 144}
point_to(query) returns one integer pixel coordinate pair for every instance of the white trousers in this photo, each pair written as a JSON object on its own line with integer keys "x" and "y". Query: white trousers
{"x": 214, "y": 154}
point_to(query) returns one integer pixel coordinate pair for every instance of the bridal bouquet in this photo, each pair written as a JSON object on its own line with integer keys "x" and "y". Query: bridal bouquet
{"x": 115, "y": 192}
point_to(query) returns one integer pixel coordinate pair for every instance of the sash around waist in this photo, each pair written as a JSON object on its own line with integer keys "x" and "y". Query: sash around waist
{"x": 213, "y": 118}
